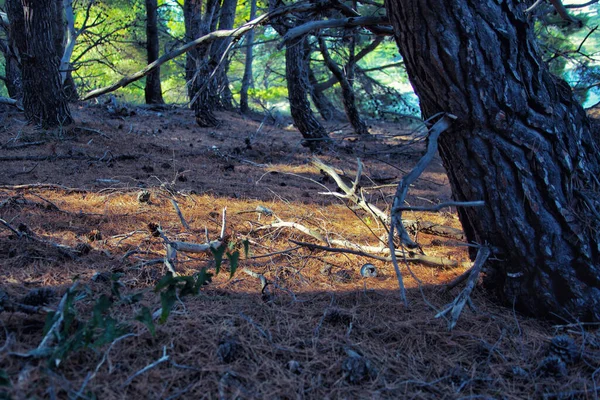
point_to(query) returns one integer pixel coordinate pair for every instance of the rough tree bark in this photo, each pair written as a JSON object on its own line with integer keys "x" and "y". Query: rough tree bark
{"x": 198, "y": 68}
{"x": 33, "y": 28}
{"x": 247, "y": 78}
{"x": 296, "y": 66}
{"x": 315, "y": 136}
{"x": 522, "y": 144}
{"x": 348, "y": 97}
{"x": 152, "y": 90}
{"x": 222, "y": 96}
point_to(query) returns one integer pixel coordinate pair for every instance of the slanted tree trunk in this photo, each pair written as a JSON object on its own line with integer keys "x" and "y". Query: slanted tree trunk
{"x": 315, "y": 136}
{"x": 348, "y": 97}
{"x": 247, "y": 79}
{"x": 521, "y": 143}
{"x": 296, "y": 67}
{"x": 152, "y": 90}
{"x": 322, "y": 103}
{"x": 34, "y": 30}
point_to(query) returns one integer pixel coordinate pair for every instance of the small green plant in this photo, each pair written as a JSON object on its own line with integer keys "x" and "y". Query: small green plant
{"x": 172, "y": 287}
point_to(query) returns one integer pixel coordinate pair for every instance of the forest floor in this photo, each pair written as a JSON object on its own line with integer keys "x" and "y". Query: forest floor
{"x": 72, "y": 217}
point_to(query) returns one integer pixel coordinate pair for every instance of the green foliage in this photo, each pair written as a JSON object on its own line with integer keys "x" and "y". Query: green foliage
{"x": 172, "y": 288}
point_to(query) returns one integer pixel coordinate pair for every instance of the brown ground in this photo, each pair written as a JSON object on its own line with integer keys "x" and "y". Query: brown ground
{"x": 231, "y": 342}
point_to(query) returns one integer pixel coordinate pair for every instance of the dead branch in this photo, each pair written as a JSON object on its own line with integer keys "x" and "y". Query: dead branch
{"x": 402, "y": 190}
{"x": 60, "y": 314}
{"x": 351, "y": 195}
{"x": 180, "y": 215}
{"x": 455, "y": 308}
{"x": 148, "y": 367}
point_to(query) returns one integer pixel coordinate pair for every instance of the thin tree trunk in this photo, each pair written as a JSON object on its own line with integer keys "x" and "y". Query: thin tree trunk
{"x": 322, "y": 103}
{"x": 223, "y": 95}
{"x": 315, "y": 136}
{"x": 35, "y": 27}
{"x": 521, "y": 143}
{"x": 348, "y": 97}
{"x": 152, "y": 90}
{"x": 247, "y": 79}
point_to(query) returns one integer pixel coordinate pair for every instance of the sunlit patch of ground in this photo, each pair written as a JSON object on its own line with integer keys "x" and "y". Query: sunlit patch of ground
{"x": 323, "y": 331}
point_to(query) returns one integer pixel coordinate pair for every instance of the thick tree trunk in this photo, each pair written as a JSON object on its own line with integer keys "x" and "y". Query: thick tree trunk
{"x": 35, "y": 33}
{"x": 521, "y": 143}
{"x": 315, "y": 136}
{"x": 152, "y": 90}
{"x": 247, "y": 79}
{"x": 348, "y": 97}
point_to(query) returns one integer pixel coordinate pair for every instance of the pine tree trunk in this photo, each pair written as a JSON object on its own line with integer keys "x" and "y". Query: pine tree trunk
{"x": 152, "y": 90}
{"x": 247, "y": 78}
{"x": 35, "y": 31}
{"x": 315, "y": 136}
{"x": 198, "y": 68}
{"x": 222, "y": 92}
{"x": 322, "y": 103}
{"x": 348, "y": 97}
{"x": 521, "y": 143}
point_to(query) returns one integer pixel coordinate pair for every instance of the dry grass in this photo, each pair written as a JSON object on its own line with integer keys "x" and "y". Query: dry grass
{"x": 229, "y": 342}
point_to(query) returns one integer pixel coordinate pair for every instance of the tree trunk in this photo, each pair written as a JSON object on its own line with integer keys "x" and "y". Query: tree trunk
{"x": 315, "y": 136}
{"x": 34, "y": 27}
{"x": 152, "y": 90}
{"x": 247, "y": 78}
{"x": 14, "y": 82}
{"x": 198, "y": 68}
{"x": 322, "y": 103}
{"x": 223, "y": 97}
{"x": 348, "y": 97}
{"x": 521, "y": 143}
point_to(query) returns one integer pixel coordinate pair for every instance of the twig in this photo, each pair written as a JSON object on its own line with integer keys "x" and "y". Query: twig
{"x": 60, "y": 311}
{"x": 313, "y": 246}
{"x": 164, "y": 358}
{"x": 180, "y": 215}
{"x": 267, "y": 335}
{"x": 91, "y": 375}
{"x": 9, "y": 226}
{"x": 223, "y": 223}
{"x": 455, "y": 308}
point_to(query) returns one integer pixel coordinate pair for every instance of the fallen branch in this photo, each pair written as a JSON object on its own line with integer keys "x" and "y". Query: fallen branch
{"x": 148, "y": 367}
{"x": 456, "y": 307}
{"x": 60, "y": 313}
{"x": 180, "y": 215}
